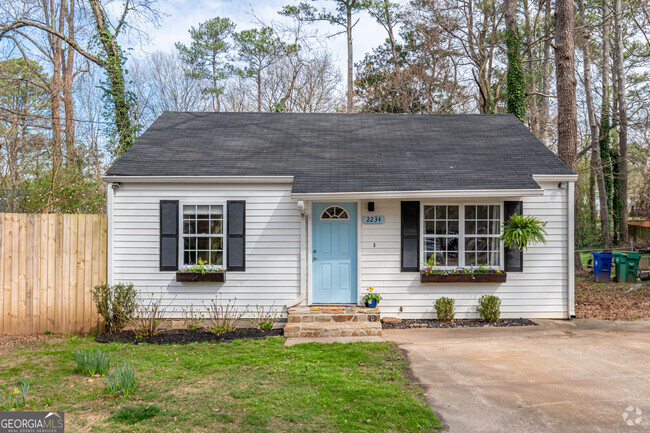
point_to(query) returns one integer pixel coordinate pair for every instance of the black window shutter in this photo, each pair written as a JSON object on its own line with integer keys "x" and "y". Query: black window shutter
{"x": 168, "y": 235}
{"x": 514, "y": 257}
{"x": 410, "y": 236}
{"x": 236, "y": 235}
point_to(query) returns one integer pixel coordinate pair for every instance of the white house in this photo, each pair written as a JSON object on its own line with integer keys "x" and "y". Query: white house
{"x": 307, "y": 209}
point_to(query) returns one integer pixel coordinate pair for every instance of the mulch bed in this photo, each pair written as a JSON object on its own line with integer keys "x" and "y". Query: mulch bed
{"x": 183, "y": 336}
{"x": 612, "y": 301}
{"x": 461, "y": 323}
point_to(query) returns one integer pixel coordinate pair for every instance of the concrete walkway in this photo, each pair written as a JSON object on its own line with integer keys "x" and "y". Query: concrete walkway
{"x": 560, "y": 376}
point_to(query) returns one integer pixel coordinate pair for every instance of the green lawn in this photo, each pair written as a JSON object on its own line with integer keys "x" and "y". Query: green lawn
{"x": 244, "y": 386}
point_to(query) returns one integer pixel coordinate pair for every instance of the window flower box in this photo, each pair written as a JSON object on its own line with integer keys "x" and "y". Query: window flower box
{"x": 452, "y": 277}
{"x": 197, "y": 277}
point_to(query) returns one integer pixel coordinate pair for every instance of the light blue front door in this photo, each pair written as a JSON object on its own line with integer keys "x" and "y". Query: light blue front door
{"x": 334, "y": 255}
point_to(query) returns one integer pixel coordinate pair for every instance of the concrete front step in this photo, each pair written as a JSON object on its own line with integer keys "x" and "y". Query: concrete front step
{"x": 310, "y": 322}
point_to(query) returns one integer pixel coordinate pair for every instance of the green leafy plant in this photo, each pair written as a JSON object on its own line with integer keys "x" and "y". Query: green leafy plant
{"x": 116, "y": 304}
{"x": 17, "y": 397}
{"x": 265, "y": 319}
{"x": 192, "y": 319}
{"x": 91, "y": 362}
{"x": 368, "y": 297}
{"x": 430, "y": 267}
{"x": 521, "y": 230}
{"x": 149, "y": 317}
{"x": 200, "y": 267}
{"x": 121, "y": 379}
{"x": 223, "y": 317}
{"x": 489, "y": 308}
{"x": 445, "y": 309}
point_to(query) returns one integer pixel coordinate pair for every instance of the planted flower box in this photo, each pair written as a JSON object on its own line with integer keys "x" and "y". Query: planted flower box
{"x": 197, "y": 277}
{"x": 486, "y": 277}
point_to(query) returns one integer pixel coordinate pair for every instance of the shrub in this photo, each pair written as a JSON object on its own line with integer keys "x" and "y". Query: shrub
{"x": 489, "y": 308}
{"x": 222, "y": 317}
{"x": 121, "y": 379}
{"x": 17, "y": 398}
{"x": 265, "y": 319}
{"x": 149, "y": 317}
{"x": 192, "y": 320}
{"x": 445, "y": 309}
{"x": 91, "y": 362}
{"x": 116, "y": 304}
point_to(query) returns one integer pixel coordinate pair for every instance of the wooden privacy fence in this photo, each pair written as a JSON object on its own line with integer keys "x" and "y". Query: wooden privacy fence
{"x": 639, "y": 231}
{"x": 48, "y": 264}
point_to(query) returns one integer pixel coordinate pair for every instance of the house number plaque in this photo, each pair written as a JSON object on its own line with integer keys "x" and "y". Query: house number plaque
{"x": 373, "y": 219}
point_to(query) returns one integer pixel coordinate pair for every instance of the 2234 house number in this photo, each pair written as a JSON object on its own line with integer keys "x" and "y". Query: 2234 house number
{"x": 373, "y": 219}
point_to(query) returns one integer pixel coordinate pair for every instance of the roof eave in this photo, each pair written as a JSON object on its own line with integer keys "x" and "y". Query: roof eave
{"x": 197, "y": 179}
{"x": 477, "y": 193}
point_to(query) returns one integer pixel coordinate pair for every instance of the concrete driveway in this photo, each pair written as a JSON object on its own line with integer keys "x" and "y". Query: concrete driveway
{"x": 560, "y": 376}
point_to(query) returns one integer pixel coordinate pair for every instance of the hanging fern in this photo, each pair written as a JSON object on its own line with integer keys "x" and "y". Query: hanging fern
{"x": 520, "y": 231}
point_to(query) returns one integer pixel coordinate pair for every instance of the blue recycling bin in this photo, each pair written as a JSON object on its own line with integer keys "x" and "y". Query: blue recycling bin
{"x": 602, "y": 267}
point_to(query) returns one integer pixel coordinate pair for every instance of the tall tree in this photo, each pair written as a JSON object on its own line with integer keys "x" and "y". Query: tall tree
{"x": 516, "y": 81}
{"x": 622, "y": 118}
{"x": 604, "y": 132}
{"x": 258, "y": 49}
{"x": 567, "y": 122}
{"x": 343, "y": 15}
{"x": 205, "y": 56}
{"x": 545, "y": 114}
{"x": 596, "y": 163}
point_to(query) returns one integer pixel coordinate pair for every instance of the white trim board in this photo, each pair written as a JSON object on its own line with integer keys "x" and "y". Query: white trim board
{"x": 199, "y": 179}
{"x": 493, "y": 193}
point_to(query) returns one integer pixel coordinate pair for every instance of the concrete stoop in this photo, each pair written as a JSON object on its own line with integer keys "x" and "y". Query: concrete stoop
{"x": 310, "y": 322}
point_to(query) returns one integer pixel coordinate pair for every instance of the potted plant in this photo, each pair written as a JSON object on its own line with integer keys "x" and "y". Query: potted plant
{"x": 371, "y": 299}
{"x": 201, "y": 272}
{"x": 471, "y": 274}
{"x": 520, "y": 231}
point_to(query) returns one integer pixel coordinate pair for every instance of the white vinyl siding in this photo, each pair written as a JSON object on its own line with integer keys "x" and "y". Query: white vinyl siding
{"x": 272, "y": 273}
{"x": 541, "y": 291}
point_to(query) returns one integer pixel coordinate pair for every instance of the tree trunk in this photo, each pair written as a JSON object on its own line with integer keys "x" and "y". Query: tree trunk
{"x": 566, "y": 83}
{"x": 622, "y": 119}
{"x": 596, "y": 163}
{"x": 545, "y": 116}
{"x": 113, "y": 67}
{"x": 67, "y": 60}
{"x": 516, "y": 81}
{"x": 259, "y": 89}
{"x": 348, "y": 28}
{"x": 605, "y": 122}
{"x": 56, "y": 49}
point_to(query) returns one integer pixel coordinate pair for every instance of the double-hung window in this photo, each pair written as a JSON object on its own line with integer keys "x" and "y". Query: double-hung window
{"x": 202, "y": 232}
{"x": 462, "y": 235}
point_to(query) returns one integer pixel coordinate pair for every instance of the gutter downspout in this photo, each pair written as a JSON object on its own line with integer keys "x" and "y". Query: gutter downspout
{"x": 571, "y": 249}
{"x": 302, "y": 208}
{"x": 109, "y": 235}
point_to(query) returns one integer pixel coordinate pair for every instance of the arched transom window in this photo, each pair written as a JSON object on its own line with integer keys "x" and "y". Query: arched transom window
{"x": 334, "y": 213}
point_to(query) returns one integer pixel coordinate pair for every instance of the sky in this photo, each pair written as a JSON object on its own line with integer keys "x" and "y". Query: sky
{"x": 177, "y": 16}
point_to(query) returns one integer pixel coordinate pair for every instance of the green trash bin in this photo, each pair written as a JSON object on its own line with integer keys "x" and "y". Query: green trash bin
{"x": 627, "y": 264}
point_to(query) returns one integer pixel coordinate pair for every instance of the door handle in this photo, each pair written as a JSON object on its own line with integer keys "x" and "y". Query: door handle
{"x": 314, "y": 257}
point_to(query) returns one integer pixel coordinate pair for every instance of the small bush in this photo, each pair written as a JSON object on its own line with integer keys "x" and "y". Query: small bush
{"x": 91, "y": 362}
{"x": 489, "y": 308}
{"x": 149, "y": 317}
{"x": 445, "y": 309}
{"x": 116, "y": 304}
{"x": 17, "y": 397}
{"x": 121, "y": 379}
{"x": 192, "y": 320}
{"x": 222, "y": 317}
{"x": 265, "y": 319}
{"x": 135, "y": 414}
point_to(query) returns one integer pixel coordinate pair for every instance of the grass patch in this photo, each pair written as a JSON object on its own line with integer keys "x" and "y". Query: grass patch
{"x": 135, "y": 414}
{"x": 244, "y": 386}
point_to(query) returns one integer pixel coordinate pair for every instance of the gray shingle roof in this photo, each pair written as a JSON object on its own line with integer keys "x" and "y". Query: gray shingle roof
{"x": 345, "y": 152}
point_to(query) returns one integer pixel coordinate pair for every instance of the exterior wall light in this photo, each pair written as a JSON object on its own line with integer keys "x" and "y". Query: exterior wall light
{"x": 562, "y": 185}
